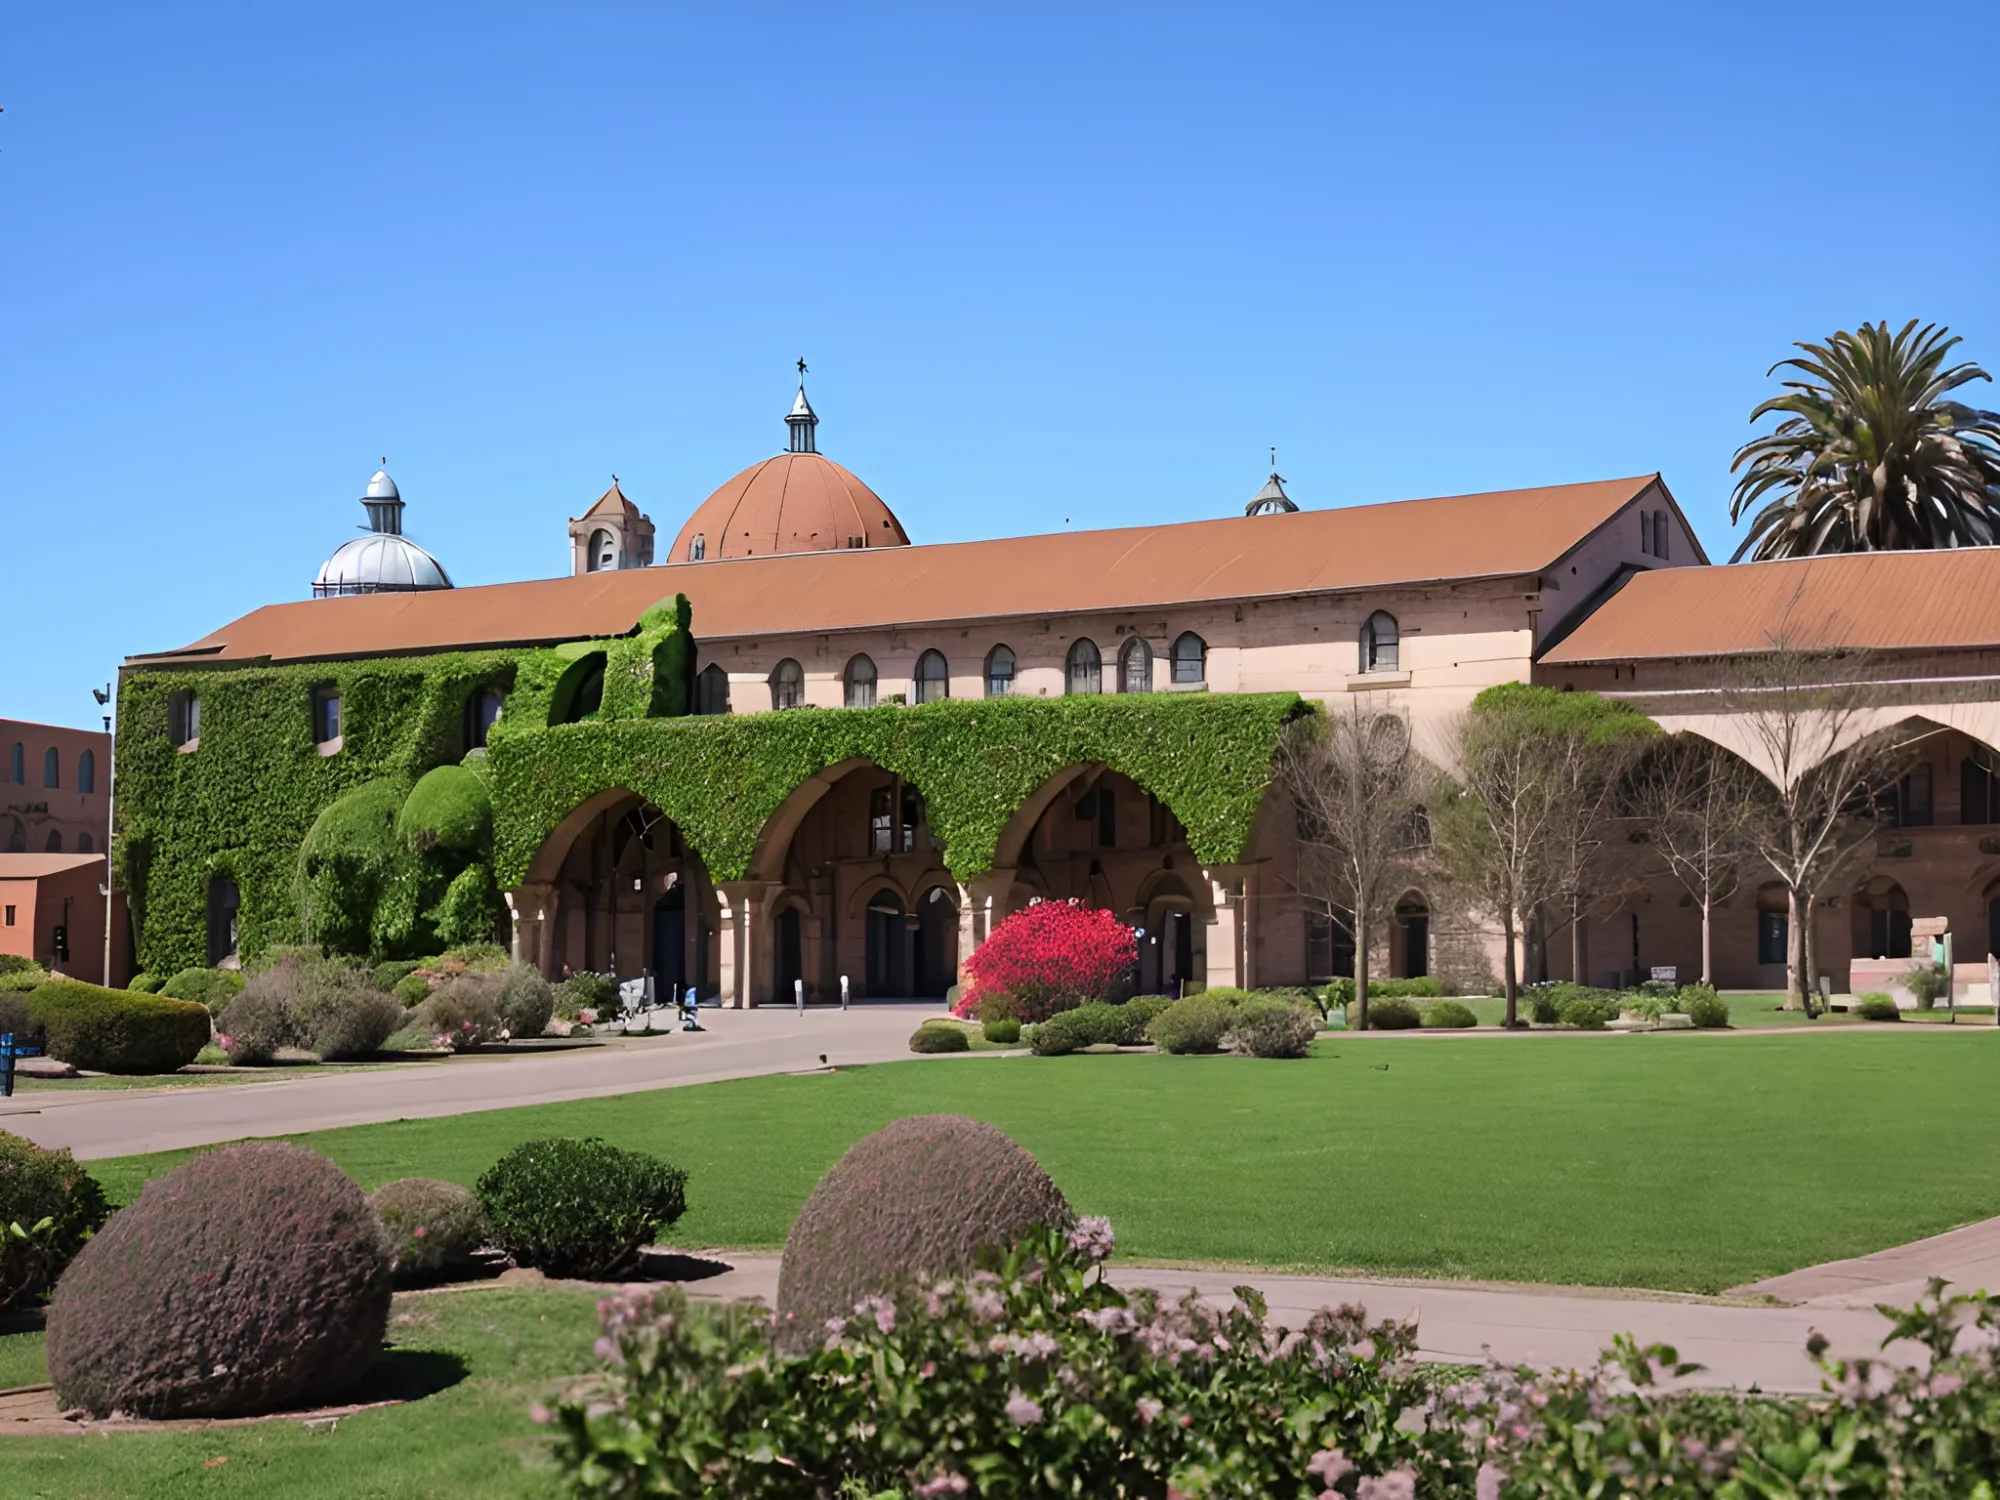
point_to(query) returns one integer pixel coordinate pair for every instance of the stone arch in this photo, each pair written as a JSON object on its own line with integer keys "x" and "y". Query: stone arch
{"x": 875, "y": 885}
{"x": 774, "y": 839}
{"x": 579, "y": 692}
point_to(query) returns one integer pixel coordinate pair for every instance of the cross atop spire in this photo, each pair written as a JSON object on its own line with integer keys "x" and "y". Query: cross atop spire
{"x": 802, "y": 420}
{"x": 1272, "y": 499}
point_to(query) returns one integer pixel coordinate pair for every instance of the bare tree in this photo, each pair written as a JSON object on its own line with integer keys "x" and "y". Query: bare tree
{"x": 1591, "y": 868}
{"x": 1357, "y": 785}
{"x": 1696, "y": 803}
{"x": 1802, "y": 710}
{"x": 1536, "y": 769}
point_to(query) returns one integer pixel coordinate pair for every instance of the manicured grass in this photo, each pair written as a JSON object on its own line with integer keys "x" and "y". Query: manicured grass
{"x": 473, "y": 1438}
{"x": 1680, "y": 1161}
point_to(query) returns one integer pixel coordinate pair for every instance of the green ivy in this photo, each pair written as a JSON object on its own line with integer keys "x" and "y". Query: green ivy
{"x": 327, "y": 840}
{"x": 1207, "y": 756}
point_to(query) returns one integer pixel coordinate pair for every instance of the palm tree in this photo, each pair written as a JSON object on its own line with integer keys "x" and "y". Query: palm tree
{"x": 1871, "y": 457}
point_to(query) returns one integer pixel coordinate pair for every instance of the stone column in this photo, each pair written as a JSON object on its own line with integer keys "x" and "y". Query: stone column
{"x": 1223, "y": 965}
{"x": 746, "y": 942}
{"x": 980, "y": 902}
{"x": 534, "y": 908}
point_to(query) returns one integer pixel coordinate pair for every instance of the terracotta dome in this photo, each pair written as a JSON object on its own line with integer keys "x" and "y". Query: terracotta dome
{"x": 799, "y": 501}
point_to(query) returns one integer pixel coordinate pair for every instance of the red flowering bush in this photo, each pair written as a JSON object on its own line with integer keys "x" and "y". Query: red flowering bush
{"x": 1048, "y": 957}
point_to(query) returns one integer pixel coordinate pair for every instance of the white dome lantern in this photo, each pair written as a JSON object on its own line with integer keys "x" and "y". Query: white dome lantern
{"x": 384, "y": 561}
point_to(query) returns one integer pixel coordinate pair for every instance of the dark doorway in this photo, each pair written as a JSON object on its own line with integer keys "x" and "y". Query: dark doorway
{"x": 1889, "y": 933}
{"x": 788, "y": 964}
{"x": 670, "y": 966}
{"x": 888, "y": 947}
{"x": 223, "y": 902}
{"x": 936, "y": 942}
{"x": 1415, "y": 921}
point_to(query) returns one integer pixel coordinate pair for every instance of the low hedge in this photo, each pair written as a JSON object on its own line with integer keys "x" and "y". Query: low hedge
{"x": 209, "y": 988}
{"x": 1194, "y": 1023}
{"x": 116, "y": 1031}
{"x": 1002, "y": 1029}
{"x": 1701, "y": 1005}
{"x": 1390, "y": 1013}
{"x": 938, "y": 1037}
{"x": 1449, "y": 1015}
{"x": 1876, "y": 1006}
{"x": 1589, "y": 1013}
{"x": 22, "y": 978}
{"x": 1268, "y": 1025}
{"x": 1340, "y": 992}
{"x": 580, "y": 1207}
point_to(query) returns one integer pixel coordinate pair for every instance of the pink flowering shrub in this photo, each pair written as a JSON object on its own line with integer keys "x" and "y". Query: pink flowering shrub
{"x": 1048, "y": 957}
{"x": 1033, "y": 1377}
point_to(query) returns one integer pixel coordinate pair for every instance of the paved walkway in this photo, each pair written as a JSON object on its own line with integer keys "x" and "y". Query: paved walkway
{"x": 737, "y": 1044}
{"x": 1461, "y": 1323}
{"x": 1969, "y": 1258}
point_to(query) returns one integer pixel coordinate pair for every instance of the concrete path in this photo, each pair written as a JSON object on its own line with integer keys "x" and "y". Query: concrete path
{"x": 1461, "y": 1323}
{"x": 737, "y": 1044}
{"x": 1969, "y": 1258}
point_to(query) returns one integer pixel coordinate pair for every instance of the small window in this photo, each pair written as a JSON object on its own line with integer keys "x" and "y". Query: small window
{"x": 933, "y": 678}
{"x": 1379, "y": 643}
{"x": 1135, "y": 666}
{"x": 1978, "y": 798}
{"x": 999, "y": 671}
{"x": 10, "y": 916}
{"x": 86, "y": 772}
{"x": 860, "y": 677}
{"x": 711, "y": 691}
{"x": 85, "y": 844}
{"x": 603, "y": 552}
{"x": 697, "y": 547}
{"x": 223, "y": 902}
{"x": 51, "y": 767}
{"x": 326, "y": 715}
{"x": 183, "y": 719}
{"x": 1086, "y": 668}
{"x": 1191, "y": 658}
{"x": 912, "y": 817}
{"x": 17, "y": 764}
{"x": 1913, "y": 799}
{"x": 1773, "y": 937}
{"x": 788, "y": 684}
{"x": 54, "y": 845}
{"x": 482, "y": 712}
{"x": 881, "y": 820}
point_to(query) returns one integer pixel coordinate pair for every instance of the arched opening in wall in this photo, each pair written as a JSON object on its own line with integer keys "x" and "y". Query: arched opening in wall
{"x": 1881, "y": 920}
{"x": 711, "y": 691}
{"x": 1166, "y": 936}
{"x": 223, "y": 903}
{"x": 934, "y": 963}
{"x": 1410, "y": 954}
{"x": 85, "y": 844}
{"x": 1085, "y": 668}
{"x": 1135, "y": 666}
{"x": 54, "y": 844}
{"x": 860, "y": 682}
{"x": 86, "y": 772}
{"x": 482, "y": 712}
{"x": 1000, "y": 671}
{"x": 51, "y": 767}
{"x": 17, "y": 836}
{"x": 580, "y": 690}
{"x": 1993, "y": 918}
{"x": 603, "y": 552}
{"x": 1190, "y": 659}
{"x": 788, "y": 684}
{"x": 1381, "y": 643}
{"x": 888, "y": 944}
{"x": 1774, "y": 924}
{"x": 17, "y": 764}
{"x": 933, "y": 679}
{"x": 616, "y": 890}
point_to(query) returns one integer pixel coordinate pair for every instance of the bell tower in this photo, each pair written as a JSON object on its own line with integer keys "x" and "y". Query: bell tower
{"x": 613, "y": 533}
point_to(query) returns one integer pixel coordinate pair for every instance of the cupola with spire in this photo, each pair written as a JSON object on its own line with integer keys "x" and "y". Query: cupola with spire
{"x": 384, "y": 561}
{"x": 1272, "y": 499}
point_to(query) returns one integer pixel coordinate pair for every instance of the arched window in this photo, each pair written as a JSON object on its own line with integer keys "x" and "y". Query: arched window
{"x": 711, "y": 691}
{"x": 933, "y": 678}
{"x": 482, "y": 712}
{"x": 54, "y": 845}
{"x": 1000, "y": 671}
{"x": 1190, "y": 658}
{"x": 1135, "y": 666}
{"x": 580, "y": 692}
{"x": 17, "y": 837}
{"x": 1086, "y": 668}
{"x": 51, "y": 767}
{"x": 603, "y": 552}
{"x": 17, "y": 765}
{"x": 326, "y": 716}
{"x": 860, "y": 676}
{"x": 1379, "y": 643}
{"x": 788, "y": 684}
{"x": 697, "y": 547}
{"x": 183, "y": 719}
{"x": 86, "y": 771}
{"x": 85, "y": 844}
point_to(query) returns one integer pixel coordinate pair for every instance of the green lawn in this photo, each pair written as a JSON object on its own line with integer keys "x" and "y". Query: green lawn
{"x": 473, "y": 1438}
{"x": 1678, "y": 1161}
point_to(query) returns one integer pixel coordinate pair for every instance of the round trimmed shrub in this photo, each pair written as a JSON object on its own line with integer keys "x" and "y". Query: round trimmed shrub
{"x": 1002, "y": 1029}
{"x": 117, "y": 1031}
{"x": 253, "y": 1278}
{"x": 1450, "y": 1015}
{"x": 433, "y": 1226}
{"x": 1876, "y": 1006}
{"x": 1704, "y": 1007}
{"x": 146, "y": 984}
{"x": 1587, "y": 1013}
{"x": 1393, "y": 1013}
{"x": 466, "y": 1012}
{"x": 580, "y": 1208}
{"x": 449, "y": 808}
{"x": 936, "y": 1036}
{"x": 526, "y": 1001}
{"x": 256, "y": 1023}
{"x": 1062, "y": 1034}
{"x": 1130, "y": 1020}
{"x": 38, "y": 1185}
{"x": 209, "y": 988}
{"x": 585, "y": 991}
{"x": 919, "y": 1198}
{"x": 349, "y": 1018}
{"x": 1266, "y": 1026}
{"x": 1194, "y": 1023}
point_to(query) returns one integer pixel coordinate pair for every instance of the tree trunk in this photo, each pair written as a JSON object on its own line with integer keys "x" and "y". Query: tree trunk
{"x": 1513, "y": 989}
{"x": 1809, "y": 952}
{"x": 1575, "y": 940}
{"x": 1795, "y": 959}
{"x": 1707, "y": 976}
{"x": 1361, "y": 967}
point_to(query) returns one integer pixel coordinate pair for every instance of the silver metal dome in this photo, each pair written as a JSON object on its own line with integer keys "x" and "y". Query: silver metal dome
{"x": 379, "y": 563}
{"x": 382, "y": 487}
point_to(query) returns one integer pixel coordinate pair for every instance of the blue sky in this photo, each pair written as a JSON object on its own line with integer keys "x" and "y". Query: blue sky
{"x": 1073, "y": 265}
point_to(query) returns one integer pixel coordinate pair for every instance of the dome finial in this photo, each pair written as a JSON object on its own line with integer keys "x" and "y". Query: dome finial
{"x": 383, "y": 503}
{"x": 802, "y": 420}
{"x": 1272, "y": 499}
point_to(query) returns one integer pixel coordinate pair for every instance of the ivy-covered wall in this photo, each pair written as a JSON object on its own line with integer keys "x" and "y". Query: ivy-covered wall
{"x": 243, "y": 803}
